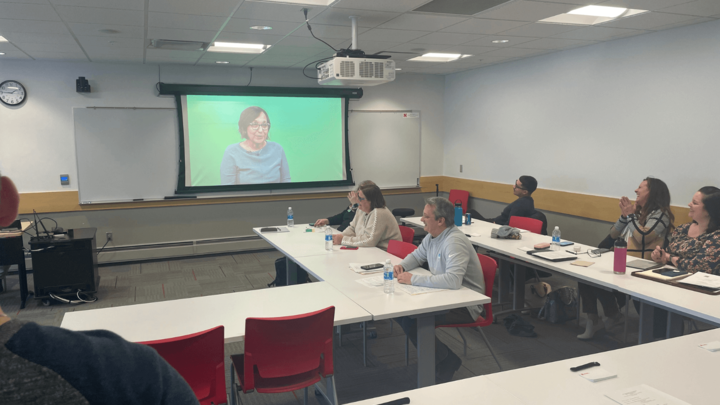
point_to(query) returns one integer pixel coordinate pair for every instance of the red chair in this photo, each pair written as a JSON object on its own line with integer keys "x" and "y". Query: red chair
{"x": 200, "y": 360}
{"x": 407, "y": 233}
{"x": 400, "y": 249}
{"x": 461, "y": 195}
{"x": 285, "y": 354}
{"x": 528, "y": 224}
{"x": 489, "y": 265}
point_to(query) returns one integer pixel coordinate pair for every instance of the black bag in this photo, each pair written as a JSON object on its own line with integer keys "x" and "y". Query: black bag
{"x": 517, "y": 326}
{"x": 560, "y": 306}
{"x": 281, "y": 274}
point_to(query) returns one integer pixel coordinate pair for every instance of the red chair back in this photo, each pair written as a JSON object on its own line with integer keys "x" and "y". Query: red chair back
{"x": 400, "y": 249}
{"x": 489, "y": 267}
{"x": 461, "y": 195}
{"x": 278, "y": 350}
{"x": 529, "y": 224}
{"x": 200, "y": 360}
{"x": 407, "y": 233}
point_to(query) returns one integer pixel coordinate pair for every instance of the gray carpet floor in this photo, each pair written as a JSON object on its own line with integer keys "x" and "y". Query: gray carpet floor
{"x": 386, "y": 371}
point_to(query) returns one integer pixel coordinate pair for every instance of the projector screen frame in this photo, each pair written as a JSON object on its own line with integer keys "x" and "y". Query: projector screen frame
{"x": 179, "y": 90}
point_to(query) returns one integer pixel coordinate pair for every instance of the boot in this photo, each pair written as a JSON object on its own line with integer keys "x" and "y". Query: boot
{"x": 594, "y": 324}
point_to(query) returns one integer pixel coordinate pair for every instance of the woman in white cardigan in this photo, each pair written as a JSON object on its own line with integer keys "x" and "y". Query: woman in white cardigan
{"x": 373, "y": 225}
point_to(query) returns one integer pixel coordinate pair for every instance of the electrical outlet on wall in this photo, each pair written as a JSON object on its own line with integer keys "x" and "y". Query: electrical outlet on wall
{"x": 460, "y": 168}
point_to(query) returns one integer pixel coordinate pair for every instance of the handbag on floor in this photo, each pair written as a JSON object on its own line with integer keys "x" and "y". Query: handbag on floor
{"x": 560, "y": 306}
{"x": 281, "y": 274}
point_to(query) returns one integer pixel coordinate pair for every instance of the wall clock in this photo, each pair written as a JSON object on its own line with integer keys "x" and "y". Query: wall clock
{"x": 12, "y": 93}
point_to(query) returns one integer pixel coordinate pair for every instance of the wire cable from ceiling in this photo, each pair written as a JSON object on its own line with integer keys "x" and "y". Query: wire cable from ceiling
{"x": 313, "y": 34}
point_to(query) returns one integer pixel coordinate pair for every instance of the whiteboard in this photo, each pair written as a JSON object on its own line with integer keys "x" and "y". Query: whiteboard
{"x": 385, "y": 147}
{"x": 124, "y": 154}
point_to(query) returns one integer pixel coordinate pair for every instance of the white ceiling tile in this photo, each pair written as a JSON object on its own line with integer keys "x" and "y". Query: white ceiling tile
{"x": 648, "y": 21}
{"x": 578, "y": 3}
{"x": 418, "y": 48}
{"x": 236, "y": 58}
{"x": 514, "y": 53}
{"x": 278, "y": 27}
{"x": 118, "y": 4}
{"x": 168, "y": 53}
{"x": 268, "y": 63}
{"x": 396, "y": 6}
{"x": 40, "y": 27}
{"x": 185, "y": 21}
{"x": 24, "y": 11}
{"x": 598, "y": 33}
{"x": 98, "y": 15}
{"x": 309, "y": 42}
{"x": 328, "y": 31}
{"x": 695, "y": 20}
{"x": 7, "y": 46}
{"x": 97, "y": 51}
{"x": 24, "y": 37}
{"x": 340, "y": 16}
{"x": 555, "y": 43}
{"x": 114, "y": 58}
{"x": 168, "y": 61}
{"x": 221, "y": 8}
{"x": 539, "y": 30}
{"x": 483, "y": 26}
{"x": 446, "y": 38}
{"x": 487, "y": 41}
{"x": 119, "y": 31}
{"x": 65, "y": 56}
{"x": 381, "y": 34}
{"x": 14, "y": 55}
{"x": 470, "y": 50}
{"x": 522, "y": 10}
{"x": 180, "y": 35}
{"x": 284, "y": 59}
{"x": 275, "y": 12}
{"x": 293, "y": 51}
{"x": 699, "y": 8}
{"x": 110, "y": 42}
{"x": 371, "y": 47}
{"x": 424, "y": 22}
{"x": 652, "y": 5}
{"x": 31, "y": 47}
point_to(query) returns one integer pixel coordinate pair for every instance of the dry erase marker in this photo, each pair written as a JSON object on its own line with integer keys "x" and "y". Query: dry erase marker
{"x": 584, "y": 366}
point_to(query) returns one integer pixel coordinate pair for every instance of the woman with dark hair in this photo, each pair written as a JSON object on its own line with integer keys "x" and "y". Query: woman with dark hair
{"x": 696, "y": 246}
{"x": 373, "y": 225}
{"x": 256, "y": 160}
{"x": 645, "y": 226}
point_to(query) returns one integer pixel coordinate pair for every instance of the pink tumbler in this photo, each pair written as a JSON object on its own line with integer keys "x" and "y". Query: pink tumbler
{"x": 620, "y": 256}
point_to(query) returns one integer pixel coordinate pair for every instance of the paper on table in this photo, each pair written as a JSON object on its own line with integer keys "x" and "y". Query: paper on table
{"x": 377, "y": 281}
{"x": 711, "y": 346}
{"x": 372, "y": 282}
{"x": 597, "y": 374}
{"x": 644, "y": 394}
{"x": 526, "y": 248}
{"x": 356, "y": 268}
{"x": 282, "y": 229}
{"x": 703, "y": 280}
{"x": 582, "y": 263}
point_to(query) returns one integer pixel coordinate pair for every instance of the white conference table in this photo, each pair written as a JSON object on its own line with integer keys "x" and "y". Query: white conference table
{"x": 677, "y": 367}
{"x": 167, "y": 319}
{"x": 332, "y": 268}
{"x": 692, "y": 304}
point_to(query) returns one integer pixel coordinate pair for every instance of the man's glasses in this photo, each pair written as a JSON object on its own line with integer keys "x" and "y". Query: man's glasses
{"x": 516, "y": 186}
{"x": 255, "y": 125}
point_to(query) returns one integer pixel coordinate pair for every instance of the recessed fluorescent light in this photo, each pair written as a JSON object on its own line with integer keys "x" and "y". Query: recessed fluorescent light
{"x": 2, "y": 53}
{"x": 465, "y": 56}
{"x": 222, "y": 62}
{"x": 260, "y": 27}
{"x": 2, "y": 39}
{"x": 599, "y": 11}
{"x": 501, "y": 41}
{"x": 436, "y": 57}
{"x": 398, "y": 68}
{"x": 234, "y": 47}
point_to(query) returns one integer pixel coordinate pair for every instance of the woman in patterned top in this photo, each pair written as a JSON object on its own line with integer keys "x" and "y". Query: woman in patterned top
{"x": 696, "y": 246}
{"x": 646, "y": 225}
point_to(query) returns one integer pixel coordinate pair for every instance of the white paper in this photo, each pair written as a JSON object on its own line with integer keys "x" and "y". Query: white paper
{"x": 356, "y": 268}
{"x": 596, "y": 374}
{"x": 645, "y": 395}
{"x": 703, "y": 280}
{"x": 711, "y": 346}
{"x": 378, "y": 281}
{"x": 283, "y": 229}
{"x": 525, "y": 248}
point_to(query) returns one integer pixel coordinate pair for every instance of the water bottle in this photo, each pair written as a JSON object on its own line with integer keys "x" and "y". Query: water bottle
{"x": 291, "y": 221}
{"x": 458, "y": 214}
{"x": 556, "y": 238}
{"x": 328, "y": 239}
{"x": 388, "y": 285}
{"x": 620, "y": 260}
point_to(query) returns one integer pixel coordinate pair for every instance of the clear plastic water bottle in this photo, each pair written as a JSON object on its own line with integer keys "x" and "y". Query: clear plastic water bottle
{"x": 328, "y": 239}
{"x": 556, "y": 238}
{"x": 388, "y": 284}
{"x": 291, "y": 221}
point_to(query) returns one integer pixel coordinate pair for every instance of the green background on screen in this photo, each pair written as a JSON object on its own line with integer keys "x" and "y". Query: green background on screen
{"x": 309, "y": 130}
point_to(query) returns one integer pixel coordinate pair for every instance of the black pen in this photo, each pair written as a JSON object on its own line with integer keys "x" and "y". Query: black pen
{"x": 570, "y": 251}
{"x": 584, "y": 366}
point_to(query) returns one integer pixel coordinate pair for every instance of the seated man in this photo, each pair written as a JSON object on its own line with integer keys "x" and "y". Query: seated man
{"x": 49, "y": 365}
{"x": 453, "y": 263}
{"x": 524, "y": 206}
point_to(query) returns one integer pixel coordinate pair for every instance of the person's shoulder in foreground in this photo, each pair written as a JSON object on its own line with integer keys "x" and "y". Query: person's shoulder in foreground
{"x": 46, "y": 364}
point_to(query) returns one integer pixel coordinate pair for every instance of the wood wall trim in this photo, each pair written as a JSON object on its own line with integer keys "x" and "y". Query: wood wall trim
{"x": 563, "y": 202}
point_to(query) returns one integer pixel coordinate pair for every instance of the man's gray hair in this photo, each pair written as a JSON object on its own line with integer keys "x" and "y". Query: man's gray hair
{"x": 443, "y": 208}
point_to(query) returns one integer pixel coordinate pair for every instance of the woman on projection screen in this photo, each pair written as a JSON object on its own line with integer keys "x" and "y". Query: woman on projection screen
{"x": 255, "y": 160}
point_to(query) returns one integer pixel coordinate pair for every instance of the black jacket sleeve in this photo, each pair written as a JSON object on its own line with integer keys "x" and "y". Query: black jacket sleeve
{"x": 522, "y": 207}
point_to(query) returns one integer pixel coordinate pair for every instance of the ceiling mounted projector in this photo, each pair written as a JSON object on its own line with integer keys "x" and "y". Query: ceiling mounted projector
{"x": 352, "y": 68}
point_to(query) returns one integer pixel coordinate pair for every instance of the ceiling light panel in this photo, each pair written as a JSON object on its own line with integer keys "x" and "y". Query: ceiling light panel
{"x": 436, "y": 57}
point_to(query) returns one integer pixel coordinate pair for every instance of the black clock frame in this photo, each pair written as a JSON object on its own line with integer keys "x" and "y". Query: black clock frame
{"x": 24, "y": 91}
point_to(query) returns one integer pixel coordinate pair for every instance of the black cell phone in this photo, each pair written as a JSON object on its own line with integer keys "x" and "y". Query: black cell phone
{"x": 372, "y": 266}
{"x": 268, "y": 229}
{"x": 599, "y": 251}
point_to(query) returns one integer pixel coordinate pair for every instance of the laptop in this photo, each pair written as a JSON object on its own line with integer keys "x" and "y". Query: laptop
{"x": 555, "y": 256}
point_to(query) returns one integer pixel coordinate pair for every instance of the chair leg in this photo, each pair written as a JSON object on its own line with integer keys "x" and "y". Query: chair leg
{"x": 339, "y": 332}
{"x": 391, "y": 326}
{"x": 233, "y": 386}
{"x": 464, "y": 342}
{"x": 305, "y": 397}
{"x": 407, "y": 350}
{"x": 487, "y": 342}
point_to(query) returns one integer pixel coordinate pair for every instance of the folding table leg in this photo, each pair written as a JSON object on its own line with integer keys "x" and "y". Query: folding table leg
{"x": 646, "y": 323}
{"x": 628, "y": 298}
{"x": 519, "y": 290}
{"x": 426, "y": 350}
{"x": 675, "y": 325}
{"x": 291, "y": 271}
{"x": 339, "y": 332}
{"x": 364, "y": 333}
{"x": 503, "y": 282}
